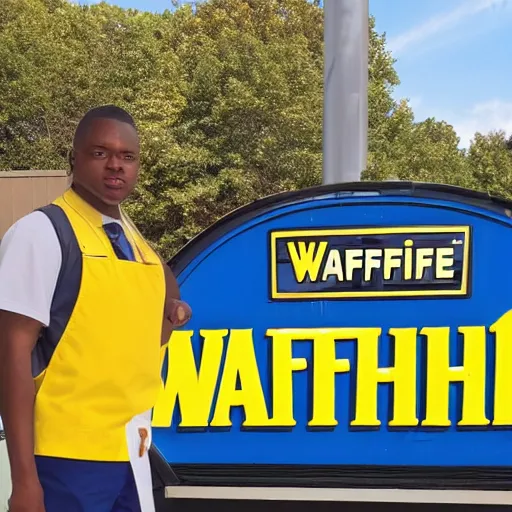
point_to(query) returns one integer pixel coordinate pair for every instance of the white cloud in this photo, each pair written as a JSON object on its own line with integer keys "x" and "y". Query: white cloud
{"x": 415, "y": 102}
{"x": 483, "y": 117}
{"x": 441, "y": 23}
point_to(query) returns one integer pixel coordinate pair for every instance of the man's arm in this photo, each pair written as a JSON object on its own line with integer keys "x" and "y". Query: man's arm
{"x": 172, "y": 292}
{"x": 176, "y": 312}
{"x": 30, "y": 261}
{"x": 18, "y": 336}
{"x": 171, "y": 285}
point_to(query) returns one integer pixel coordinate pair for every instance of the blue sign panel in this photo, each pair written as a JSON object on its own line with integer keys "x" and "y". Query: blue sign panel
{"x": 345, "y": 329}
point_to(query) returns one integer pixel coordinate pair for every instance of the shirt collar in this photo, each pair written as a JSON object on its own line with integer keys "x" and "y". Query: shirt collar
{"x": 83, "y": 207}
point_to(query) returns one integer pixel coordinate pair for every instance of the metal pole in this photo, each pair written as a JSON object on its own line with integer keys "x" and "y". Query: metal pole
{"x": 345, "y": 128}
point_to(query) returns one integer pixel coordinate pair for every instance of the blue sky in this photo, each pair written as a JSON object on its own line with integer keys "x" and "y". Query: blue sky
{"x": 453, "y": 58}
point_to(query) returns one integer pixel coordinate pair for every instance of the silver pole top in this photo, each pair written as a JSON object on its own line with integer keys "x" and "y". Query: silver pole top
{"x": 345, "y": 125}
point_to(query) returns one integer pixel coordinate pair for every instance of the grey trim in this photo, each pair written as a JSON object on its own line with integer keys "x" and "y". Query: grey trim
{"x": 346, "y": 495}
{"x": 33, "y": 174}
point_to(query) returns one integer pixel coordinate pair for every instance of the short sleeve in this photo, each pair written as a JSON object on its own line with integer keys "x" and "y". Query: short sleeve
{"x": 30, "y": 261}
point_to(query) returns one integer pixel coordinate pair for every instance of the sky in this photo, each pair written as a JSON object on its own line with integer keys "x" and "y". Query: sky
{"x": 453, "y": 58}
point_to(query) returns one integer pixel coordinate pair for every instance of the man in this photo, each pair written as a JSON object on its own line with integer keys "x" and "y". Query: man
{"x": 85, "y": 305}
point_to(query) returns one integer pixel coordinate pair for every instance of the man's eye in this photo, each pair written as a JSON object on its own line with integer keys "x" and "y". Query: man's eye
{"x": 129, "y": 157}
{"x": 98, "y": 154}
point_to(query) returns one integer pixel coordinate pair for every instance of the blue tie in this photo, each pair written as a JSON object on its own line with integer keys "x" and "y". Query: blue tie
{"x": 119, "y": 242}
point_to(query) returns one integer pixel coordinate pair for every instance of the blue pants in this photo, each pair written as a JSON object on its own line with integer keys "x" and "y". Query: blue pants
{"x": 83, "y": 486}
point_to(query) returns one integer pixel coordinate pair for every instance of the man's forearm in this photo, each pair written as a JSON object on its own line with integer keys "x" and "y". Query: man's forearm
{"x": 17, "y": 394}
{"x": 172, "y": 292}
{"x": 171, "y": 285}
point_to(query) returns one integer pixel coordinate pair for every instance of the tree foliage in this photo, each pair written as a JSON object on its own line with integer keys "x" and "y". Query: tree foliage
{"x": 228, "y": 100}
{"x": 490, "y": 161}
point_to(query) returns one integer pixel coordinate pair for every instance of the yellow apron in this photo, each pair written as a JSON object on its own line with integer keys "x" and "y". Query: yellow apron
{"x": 105, "y": 370}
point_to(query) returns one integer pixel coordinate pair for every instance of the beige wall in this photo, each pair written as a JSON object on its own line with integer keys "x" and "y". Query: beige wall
{"x": 23, "y": 191}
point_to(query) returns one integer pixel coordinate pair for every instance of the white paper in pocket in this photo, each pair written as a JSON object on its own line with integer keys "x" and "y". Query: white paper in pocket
{"x": 140, "y": 464}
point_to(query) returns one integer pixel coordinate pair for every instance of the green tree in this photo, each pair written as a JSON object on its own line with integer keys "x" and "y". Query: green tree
{"x": 60, "y": 59}
{"x": 490, "y": 163}
{"x": 253, "y": 116}
{"x": 254, "y": 92}
{"x": 426, "y": 151}
{"x": 228, "y": 98}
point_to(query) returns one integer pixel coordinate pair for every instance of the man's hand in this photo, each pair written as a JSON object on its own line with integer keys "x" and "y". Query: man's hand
{"x": 178, "y": 313}
{"x": 27, "y": 497}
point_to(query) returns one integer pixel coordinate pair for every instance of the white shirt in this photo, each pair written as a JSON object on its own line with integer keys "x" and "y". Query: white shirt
{"x": 30, "y": 262}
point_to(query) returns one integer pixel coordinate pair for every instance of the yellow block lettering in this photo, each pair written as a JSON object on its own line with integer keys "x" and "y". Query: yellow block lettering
{"x": 440, "y": 375}
{"x": 372, "y": 261}
{"x": 402, "y": 375}
{"x": 353, "y": 260}
{"x": 241, "y": 364}
{"x": 502, "y": 330}
{"x": 283, "y": 366}
{"x": 407, "y": 274}
{"x": 423, "y": 260}
{"x": 306, "y": 260}
{"x": 392, "y": 259}
{"x": 194, "y": 389}
{"x": 444, "y": 260}
{"x": 333, "y": 266}
{"x": 325, "y": 368}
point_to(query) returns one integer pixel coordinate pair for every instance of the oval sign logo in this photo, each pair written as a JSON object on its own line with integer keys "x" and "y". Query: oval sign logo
{"x": 369, "y": 325}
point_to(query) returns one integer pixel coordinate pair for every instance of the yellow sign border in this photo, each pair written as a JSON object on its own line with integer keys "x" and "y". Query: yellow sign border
{"x": 275, "y": 235}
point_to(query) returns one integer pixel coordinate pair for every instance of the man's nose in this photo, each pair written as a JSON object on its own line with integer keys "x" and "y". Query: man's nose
{"x": 114, "y": 162}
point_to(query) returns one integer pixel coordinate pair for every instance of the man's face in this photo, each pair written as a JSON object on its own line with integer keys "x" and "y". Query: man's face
{"x": 106, "y": 161}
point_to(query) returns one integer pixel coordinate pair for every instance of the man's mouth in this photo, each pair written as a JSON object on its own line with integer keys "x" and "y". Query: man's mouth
{"x": 114, "y": 182}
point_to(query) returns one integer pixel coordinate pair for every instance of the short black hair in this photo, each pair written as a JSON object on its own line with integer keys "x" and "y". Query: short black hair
{"x": 103, "y": 112}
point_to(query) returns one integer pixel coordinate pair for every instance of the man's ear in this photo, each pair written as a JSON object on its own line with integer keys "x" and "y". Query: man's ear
{"x": 71, "y": 160}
